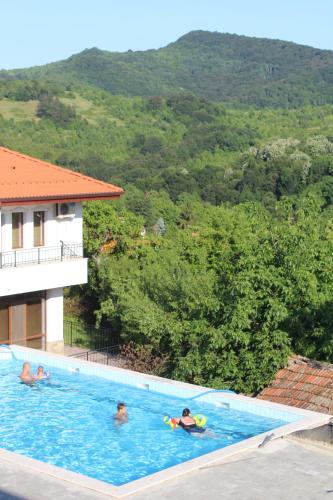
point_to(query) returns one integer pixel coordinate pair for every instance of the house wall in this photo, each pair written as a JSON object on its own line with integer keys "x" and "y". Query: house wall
{"x": 27, "y": 275}
{"x": 55, "y": 229}
{"x": 31, "y": 278}
{"x": 54, "y": 320}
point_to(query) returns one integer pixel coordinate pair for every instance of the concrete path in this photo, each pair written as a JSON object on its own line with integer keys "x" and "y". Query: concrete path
{"x": 71, "y": 350}
{"x": 283, "y": 470}
{"x": 97, "y": 356}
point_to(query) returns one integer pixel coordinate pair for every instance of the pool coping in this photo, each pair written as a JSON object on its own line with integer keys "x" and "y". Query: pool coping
{"x": 308, "y": 420}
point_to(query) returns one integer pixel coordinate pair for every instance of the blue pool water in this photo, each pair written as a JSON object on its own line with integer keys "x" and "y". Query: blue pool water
{"x": 68, "y": 422}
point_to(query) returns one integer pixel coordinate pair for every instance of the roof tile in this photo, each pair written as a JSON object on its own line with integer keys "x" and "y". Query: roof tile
{"x": 304, "y": 384}
{"x": 27, "y": 179}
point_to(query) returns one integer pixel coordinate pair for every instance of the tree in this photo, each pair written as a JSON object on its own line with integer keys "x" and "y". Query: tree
{"x": 55, "y": 110}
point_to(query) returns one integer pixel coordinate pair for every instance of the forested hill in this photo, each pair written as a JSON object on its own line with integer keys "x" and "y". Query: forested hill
{"x": 217, "y": 66}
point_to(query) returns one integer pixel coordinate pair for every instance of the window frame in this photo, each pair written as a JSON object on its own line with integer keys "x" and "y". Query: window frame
{"x": 41, "y": 242}
{"x": 19, "y": 228}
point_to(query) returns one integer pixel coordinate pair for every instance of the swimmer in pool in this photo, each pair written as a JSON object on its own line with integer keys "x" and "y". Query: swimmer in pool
{"x": 26, "y": 375}
{"x": 121, "y": 417}
{"x": 187, "y": 422}
{"x": 40, "y": 373}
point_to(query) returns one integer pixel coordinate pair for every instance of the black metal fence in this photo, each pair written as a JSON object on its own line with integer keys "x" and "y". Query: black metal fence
{"x": 106, "y": 356}
{"x": 20, "y": 257}
{"x": 80, "y": 334}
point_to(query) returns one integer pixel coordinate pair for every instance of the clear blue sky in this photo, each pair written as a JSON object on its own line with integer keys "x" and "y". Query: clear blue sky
{"x": 39, "y": 31}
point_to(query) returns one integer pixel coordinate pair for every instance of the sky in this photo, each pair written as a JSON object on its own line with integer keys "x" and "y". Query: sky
{"x": 35, "y": 32}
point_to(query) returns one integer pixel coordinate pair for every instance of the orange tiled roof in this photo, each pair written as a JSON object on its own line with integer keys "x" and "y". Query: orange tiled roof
{"x": 303, "y": 383}
{"x": 24, "y": 179}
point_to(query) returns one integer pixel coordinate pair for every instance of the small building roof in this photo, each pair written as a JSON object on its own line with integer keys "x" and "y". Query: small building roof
{"x": 303, "y": 383}
{"x": 25, "y": 180}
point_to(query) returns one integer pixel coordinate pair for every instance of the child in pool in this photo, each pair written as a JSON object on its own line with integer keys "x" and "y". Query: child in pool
{"x": 121, "y": 417}
{"x": 40, "y": 373}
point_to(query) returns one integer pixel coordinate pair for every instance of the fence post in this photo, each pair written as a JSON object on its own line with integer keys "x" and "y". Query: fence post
{"x": 0, "y": 260}
{"x": 38, "y": 250}
{"x": 62, "y": 250}
{"x": 14, "y": 258}
{"x": 71, "y": 334}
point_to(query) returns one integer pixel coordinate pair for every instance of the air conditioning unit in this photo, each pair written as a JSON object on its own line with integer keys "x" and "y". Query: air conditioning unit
{"x": 65, "y": 210}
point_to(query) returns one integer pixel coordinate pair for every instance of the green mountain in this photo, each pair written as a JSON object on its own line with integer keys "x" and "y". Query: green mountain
{"x": 216, "y": 66}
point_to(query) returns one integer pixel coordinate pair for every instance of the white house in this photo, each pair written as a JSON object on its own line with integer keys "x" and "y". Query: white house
{"x": 41, "y": 248}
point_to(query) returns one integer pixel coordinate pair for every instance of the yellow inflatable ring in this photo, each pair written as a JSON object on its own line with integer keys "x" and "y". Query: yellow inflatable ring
{"x": 200, "y": 420}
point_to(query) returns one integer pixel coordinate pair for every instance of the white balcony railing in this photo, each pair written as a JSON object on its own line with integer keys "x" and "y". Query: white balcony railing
{"x": 40, "y": 255}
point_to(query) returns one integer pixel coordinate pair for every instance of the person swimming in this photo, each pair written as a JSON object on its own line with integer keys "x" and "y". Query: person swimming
{"x": 188, "y": 424}
{"x": 121, "y": 417}
{"x": 26, "y": 375}
{"x": 41, "y": 374}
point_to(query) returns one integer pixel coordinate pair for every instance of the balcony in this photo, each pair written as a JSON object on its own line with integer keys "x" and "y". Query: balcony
{"x": 42, "y": 268}
{"x": 40, "y": 255}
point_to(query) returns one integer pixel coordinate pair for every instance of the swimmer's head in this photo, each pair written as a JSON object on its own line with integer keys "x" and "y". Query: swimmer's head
{"x": 186, "y": 412}
{"x": 121, "y": 406}
{"x": 26, "y": 366}
{"x": 40, "y": 369}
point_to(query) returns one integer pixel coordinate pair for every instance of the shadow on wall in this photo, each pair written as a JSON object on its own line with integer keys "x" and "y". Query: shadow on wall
{"x": 8, "y": 496}
{"x": 322, "y": 434}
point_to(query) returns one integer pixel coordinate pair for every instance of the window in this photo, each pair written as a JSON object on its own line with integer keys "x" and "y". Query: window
{"x": 17, "y": 230}
{"x": 4, "y": 324}
{"x": 22, "y": 320}
{"x": 38, "y": 229}
{"x": 34, "y": 318}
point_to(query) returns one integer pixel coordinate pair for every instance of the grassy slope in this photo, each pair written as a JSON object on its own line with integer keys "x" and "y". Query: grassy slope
{"x": 18, "y": 110}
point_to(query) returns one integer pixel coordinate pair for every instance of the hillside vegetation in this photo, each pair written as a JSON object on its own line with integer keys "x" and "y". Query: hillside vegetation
{"x": 218, "y": 260}
{"x": 180, "y": 144}
{"x": 220, "y": 67}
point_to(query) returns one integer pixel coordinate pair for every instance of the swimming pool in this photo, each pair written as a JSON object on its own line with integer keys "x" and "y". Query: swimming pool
{"x": 67, "y": 421}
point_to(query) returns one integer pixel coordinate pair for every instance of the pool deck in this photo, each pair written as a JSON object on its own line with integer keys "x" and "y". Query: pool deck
{"x": 284, "y": 468}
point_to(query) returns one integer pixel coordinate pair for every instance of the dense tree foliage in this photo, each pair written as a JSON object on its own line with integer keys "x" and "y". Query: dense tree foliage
{"x": 225, "y": 293}
{"x": 219, "y": 67}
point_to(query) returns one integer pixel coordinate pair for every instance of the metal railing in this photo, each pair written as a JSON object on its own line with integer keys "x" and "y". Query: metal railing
{"x": 106, "y": 356}
{"x": 39, "y": 255}
{"x": 80, "y": 334}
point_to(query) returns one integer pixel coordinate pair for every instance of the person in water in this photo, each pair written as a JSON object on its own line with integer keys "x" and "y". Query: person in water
{"x": 26, "y": 375}
{"x": 187, "y": 422}
{"x": 121, "y": 417}
{"x": 40, "y": 373}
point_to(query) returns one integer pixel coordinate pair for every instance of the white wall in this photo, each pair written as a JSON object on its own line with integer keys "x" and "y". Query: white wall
{"x": 35, "y": 277}
{"x": 55, "y": 229}
{"x": 54, "y": 305}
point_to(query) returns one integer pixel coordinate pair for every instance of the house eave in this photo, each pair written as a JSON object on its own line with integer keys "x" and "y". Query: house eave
{"x": 59, "y": 199}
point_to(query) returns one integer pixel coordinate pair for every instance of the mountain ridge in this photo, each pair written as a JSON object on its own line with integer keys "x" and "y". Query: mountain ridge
{"x": 217, "y": 66}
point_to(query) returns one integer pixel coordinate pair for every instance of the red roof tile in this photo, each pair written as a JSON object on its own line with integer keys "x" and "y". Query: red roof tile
{"x": 27, "y": 180}
{"x": 303, "y": 383}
